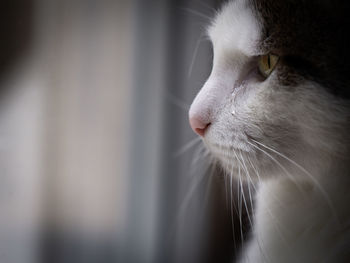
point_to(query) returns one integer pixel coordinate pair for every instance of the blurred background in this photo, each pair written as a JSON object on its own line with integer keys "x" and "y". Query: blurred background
{"x": 98, "y": 162}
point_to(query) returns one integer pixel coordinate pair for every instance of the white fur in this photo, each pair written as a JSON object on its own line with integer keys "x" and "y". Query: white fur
{"x": 233, "y": 34}
{"x": 298, "y": 226}
{"x": 293, "y": 140}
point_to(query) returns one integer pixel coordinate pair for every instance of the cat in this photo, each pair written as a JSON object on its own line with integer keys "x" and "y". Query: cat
{"x": 275, "y": 113}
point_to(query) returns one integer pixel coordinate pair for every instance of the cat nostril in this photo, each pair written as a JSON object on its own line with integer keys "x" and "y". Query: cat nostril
{"x": 198, "y": 126}
{"x": 200, "y": 131}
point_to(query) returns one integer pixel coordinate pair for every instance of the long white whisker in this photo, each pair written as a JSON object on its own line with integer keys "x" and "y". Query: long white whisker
{"x": 177, "y": 102}
{"x": 190, "y": 194}
{"x": 280, "y": 165}
{"x": 266, "y": 259}
{"x": 240, "y": 206}
{"x": 277, "y": 226}
{"x": 243, "y": 195}
{"x": 226, "y": 191}
{"x": 187, "y": 146}
{"x": 253, "y": 209}
{"x": 201, "y": 153}
{"x": 245, "y": 203}
{"x": 231, "y": 209}
{"x": 250, "y": 181}
{"x": 256, "y": 172}
{"x": 207, "y": 190}
{"x": 251, "y": 196}
{"x": 186, "y": 200}
{"x": 228, "y": 172}
{"x": 196, "y": 13}
{"x": 324, "y": 193}
{"x": 195, "y": 52}
{"x": 206, "y": 6}
{"x": 277, "y": 222}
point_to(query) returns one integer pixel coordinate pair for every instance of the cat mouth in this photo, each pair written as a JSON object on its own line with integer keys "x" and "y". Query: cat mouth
{"x": 237, "y": 164}
{"x": 229, "y": 156}
{"x": 219, "y": 144}
{"x": 239, "y": 158}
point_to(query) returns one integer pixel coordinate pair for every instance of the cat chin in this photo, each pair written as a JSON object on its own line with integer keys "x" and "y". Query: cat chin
{"x": 245, "y": 170}
{"x": 241, "y": 160}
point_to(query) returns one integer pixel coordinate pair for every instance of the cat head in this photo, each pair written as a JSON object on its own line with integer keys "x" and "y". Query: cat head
{"x": 276, "y": 101}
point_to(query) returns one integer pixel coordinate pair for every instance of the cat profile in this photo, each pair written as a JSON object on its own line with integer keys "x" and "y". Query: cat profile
{"x": 275, "y": 112}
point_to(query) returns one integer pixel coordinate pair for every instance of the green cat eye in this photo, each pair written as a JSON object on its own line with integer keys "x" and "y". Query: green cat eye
{"x": 267, "y": 64}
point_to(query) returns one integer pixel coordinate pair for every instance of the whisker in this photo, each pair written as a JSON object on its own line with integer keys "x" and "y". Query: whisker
{"x": 245, "y": 203}
{"x": 250, "y": 180}
{"x": 231, "y": 209}
{"x": 243, "y": 195}
{"x": 240, "y": 206}
{"x": 277, "y": 222}
{"x": 185, "y": 202}
{"x": 200, "y": 158}
{"x": 177, "y": 102}
{"x": 257, "y": 174}
{"x": 210, "y": 8}
{"x": 268, "y": 210}
{"x": 196, "y": 13}
{"x": 276, "y": 226}
{"x": 187, "y": 146}
{"x": 226, "y": 191}
{"x": 324, "y": 193}
{"x": 201, "y": 152}
{"x": 231, "y": 202}
{"x": 209, "y": 185}
{"x": 266, "y": 259}
{"x": 250, "y": 196}
{"x": 262, "y": 251}
{"x": 281, "y": 166}
{"x": 195, "y": 52}
{"x": 255, "y": 170}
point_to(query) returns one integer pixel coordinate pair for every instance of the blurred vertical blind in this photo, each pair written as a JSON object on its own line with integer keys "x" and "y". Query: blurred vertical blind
{"x": 94, "y": 133}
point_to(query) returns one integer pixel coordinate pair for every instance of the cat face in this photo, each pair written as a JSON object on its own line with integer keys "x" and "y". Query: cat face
{"x": 272, "y": 103}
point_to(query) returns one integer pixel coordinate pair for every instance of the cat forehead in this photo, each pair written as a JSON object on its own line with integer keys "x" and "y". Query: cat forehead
{"x": 236, "y": 29}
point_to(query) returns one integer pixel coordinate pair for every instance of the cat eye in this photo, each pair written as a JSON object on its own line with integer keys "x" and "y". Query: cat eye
{"x": 267, "y": 64}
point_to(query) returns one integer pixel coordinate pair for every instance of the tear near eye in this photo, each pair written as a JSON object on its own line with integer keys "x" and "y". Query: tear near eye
{"x": 267, "y": 63}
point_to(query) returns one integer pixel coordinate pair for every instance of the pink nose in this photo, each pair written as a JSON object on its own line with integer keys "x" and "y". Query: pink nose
{"x": 198, "y": 126}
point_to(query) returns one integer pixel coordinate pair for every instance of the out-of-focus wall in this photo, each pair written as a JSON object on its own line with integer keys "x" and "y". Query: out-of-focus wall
{"x": 63, "y": 131}
{"x": 88, "y": 76}
{"x": 98, "y": 162}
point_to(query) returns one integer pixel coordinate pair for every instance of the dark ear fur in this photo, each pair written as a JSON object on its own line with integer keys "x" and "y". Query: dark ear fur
{"x": 312, "y": 37}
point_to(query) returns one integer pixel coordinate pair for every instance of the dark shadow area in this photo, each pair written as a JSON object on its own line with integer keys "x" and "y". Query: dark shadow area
{"x": 16, "y": 31}
{"x": 227, "y": 228}
{"x": 60, "y": 247}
